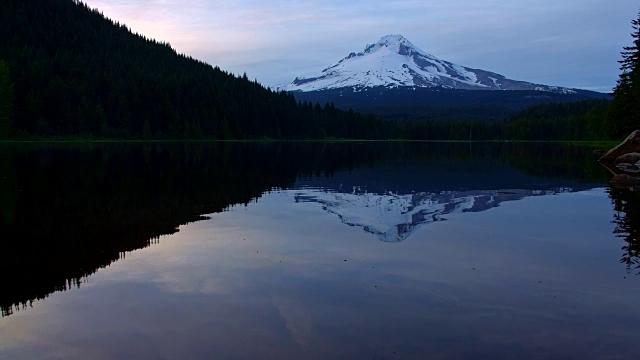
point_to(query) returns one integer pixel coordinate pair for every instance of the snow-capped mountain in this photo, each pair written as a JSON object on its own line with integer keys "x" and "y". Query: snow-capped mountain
{"x": 394, "y": 61}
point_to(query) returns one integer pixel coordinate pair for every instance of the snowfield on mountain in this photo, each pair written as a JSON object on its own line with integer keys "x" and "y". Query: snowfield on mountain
{"x": 394, "y": 61}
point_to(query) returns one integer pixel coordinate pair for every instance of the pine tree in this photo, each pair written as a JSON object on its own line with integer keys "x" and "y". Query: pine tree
{"x": 6, "y": 100}
{"x": 146, "y": 130}
{"x": 624, "y": 112}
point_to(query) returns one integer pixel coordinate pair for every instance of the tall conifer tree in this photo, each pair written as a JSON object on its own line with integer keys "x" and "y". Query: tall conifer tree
{"x": 6, "y": 100}
{"x": 624, "y": 112}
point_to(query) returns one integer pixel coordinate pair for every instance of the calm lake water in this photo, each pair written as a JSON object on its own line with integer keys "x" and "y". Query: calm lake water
{"x": 315, "y": 251}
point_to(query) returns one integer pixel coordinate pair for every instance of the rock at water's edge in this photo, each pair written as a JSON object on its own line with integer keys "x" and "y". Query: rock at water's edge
{"x": 630, "y": 145}
{"x": 630, "y": 158}
{"x": 624, "y": 181}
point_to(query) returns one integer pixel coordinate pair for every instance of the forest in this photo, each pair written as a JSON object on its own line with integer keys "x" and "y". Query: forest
{"x": 66, "y": 71}
{"x": 71, "y": 71}
{"x": 437, "y": 103}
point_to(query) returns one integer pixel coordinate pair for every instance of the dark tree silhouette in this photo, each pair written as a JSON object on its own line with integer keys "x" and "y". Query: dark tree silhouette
{"x": 626, "y": 205}
{"x": 624, "y": 113}
{"x": 77, "y": 73}
{"x": 6, "y": 100}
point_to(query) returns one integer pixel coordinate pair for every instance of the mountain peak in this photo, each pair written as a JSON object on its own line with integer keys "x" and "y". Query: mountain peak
{"x": 393, "y": 61}
{"x": 395, "y": 43}
{"x": 393, "y": 40}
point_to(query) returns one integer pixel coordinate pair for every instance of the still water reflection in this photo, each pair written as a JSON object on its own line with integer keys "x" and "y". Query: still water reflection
{"x": 285, "y": 250}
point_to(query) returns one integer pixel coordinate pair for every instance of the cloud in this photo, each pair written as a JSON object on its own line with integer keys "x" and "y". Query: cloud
{"x": 566, "y": 42}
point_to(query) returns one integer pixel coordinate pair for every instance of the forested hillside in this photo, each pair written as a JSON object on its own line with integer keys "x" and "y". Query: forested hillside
{"x": 66, "y": 70}
{"x": 74, "y": 72}
{"x": 582, "y": 120}
{"x": 415, "y": 103}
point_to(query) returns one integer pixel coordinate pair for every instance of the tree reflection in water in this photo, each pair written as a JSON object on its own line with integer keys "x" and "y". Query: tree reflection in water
{"x": 626, "y": 205}
{"x": 68, "y": 210}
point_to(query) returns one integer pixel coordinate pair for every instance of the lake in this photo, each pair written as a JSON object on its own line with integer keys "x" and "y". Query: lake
{"x": 315, "y": 251}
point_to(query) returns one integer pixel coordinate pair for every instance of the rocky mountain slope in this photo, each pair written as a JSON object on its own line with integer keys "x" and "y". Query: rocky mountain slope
{"x": 393, "y": 61}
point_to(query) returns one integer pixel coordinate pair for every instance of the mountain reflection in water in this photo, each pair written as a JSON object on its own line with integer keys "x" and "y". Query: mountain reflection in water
{"x": 68, "y": 210}
{"x": 393, "y": 217}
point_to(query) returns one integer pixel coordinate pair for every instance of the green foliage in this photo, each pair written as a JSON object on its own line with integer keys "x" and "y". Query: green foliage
{"x": 6, "y": 100}
{"x": 623, "y": 116}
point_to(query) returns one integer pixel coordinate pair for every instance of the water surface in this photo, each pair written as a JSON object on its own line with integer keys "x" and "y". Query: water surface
{"x": 315, "y": 251}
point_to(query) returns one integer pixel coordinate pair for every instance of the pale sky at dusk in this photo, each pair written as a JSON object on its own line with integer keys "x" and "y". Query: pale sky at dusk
{"x": 573, "y": 43}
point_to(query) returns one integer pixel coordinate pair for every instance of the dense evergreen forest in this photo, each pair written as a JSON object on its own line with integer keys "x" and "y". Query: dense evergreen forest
{"x": 582, "y": 120}
{"x": 66, "y": 70}
{"x": 415, "y": 103}
{"x": 74, "y": 72}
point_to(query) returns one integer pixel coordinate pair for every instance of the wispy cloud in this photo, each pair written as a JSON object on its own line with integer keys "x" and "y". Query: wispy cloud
{"x": 276, "y": 40}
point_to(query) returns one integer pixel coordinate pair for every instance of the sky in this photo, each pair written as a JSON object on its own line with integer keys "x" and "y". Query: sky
{"x": 571, "y": 43}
